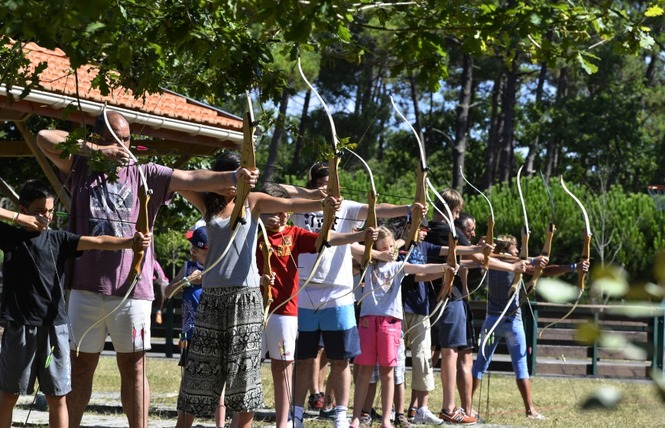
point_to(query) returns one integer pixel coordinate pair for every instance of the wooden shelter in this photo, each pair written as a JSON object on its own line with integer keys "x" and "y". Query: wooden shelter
{"x": 163, "y": 124}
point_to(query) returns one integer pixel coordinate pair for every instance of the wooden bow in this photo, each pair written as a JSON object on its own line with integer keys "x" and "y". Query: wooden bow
{"x": 333, "y": 189}
{"x": 247, "y": 161}
{"x": 514, "y": 292}
{"x": 584, "y": 257}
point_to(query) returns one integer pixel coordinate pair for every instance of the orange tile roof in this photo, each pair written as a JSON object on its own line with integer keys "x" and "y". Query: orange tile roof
{"x": 59, "y": 78}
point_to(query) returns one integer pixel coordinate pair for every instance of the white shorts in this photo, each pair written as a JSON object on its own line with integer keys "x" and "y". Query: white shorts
{"x": 279, "y": 337}
{"x": 129, "y": 326}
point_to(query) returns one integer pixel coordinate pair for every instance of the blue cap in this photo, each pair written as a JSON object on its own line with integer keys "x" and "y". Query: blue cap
{"x": 199, "y": 238}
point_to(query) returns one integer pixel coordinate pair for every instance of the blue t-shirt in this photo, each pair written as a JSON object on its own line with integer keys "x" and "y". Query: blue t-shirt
{"x": 191, "y": 296}
{"x": 417, "y": 295}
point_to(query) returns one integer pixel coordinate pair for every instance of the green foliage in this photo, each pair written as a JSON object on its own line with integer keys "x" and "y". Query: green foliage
{"x": 626, "y": 227}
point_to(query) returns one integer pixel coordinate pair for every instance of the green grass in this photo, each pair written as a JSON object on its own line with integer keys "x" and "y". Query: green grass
{"x": 558, "y": 398}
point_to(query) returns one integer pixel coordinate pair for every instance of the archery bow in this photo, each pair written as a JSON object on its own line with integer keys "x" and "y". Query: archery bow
{"x": 421, "y": 190}
{"x": 448, "y": 277}
{"x": 266, "y": 251}
{"x": 333, "y": 189}
{"x": 142, "y": 225}
{"x": 584, "y": 257}
{"x": 489, "y": 236}
{"x": 370, "y": 221}
{"x": 247, "y": 161}
{"x": 514, "y": 292}
{"x": 547, "y": 245}
{"x": 420, "y": 198}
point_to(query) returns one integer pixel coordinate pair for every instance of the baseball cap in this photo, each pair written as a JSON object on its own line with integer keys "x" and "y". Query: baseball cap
{"x": 199, "y": 238}
{"x": 199, "y": 223}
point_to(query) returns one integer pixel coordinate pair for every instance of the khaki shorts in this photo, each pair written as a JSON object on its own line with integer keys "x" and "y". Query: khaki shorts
{"x": 422, "y": 374}
{"x": 129, "y": 325}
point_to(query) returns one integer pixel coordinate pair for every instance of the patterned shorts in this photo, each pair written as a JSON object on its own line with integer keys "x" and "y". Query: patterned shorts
{"x": 224, "y": 354}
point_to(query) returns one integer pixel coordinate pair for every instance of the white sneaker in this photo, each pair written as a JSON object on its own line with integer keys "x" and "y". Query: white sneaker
{"x": 425, "y": 417}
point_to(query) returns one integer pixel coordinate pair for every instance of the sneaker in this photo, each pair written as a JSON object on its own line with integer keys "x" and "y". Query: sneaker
{"x": 365, "y": 420}
{"x": 402, "y": 421}
{"x": 457, "y": 417}
{"x": 375, "y": 415}
{"x": 327, "y": 413}
{"x": 536, "y": 416}
{"x": 411, "y": 414}
{"x": 316, "y": 401}
{"x": 424, "y": 416}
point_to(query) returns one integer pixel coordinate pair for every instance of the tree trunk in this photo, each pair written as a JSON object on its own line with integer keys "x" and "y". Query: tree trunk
{"x": 493, "y": 136}
{"x": 268, "y": 175}
{"x": 462, "y": 120}
{"x": 507, "y": 135}
{"x": 416, "y": 110}
{"x": 297, "y": 150}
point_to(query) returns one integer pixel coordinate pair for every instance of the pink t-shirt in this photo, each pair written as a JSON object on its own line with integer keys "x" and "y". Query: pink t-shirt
{"x": 100, "y": 207}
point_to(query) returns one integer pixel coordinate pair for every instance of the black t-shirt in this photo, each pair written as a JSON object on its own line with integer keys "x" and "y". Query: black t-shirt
{"x": 32, "y": 270}
{"x": 438, "y": 234}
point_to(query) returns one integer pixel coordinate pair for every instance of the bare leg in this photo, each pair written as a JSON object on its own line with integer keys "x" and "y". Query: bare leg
{"x": 524, "y": 386}
{"x": 316, "y": 381}
{"x": 57, "y": 411}
{"x": 369, "y": 397}
{"x": 363, "y": 376}
{"x": 448, "y": 377}
{"x": 134, "y": 388}
{"x": 387, "y": 392}
{"x": 242, "y": 420}
{"x": 7, "y": 403}
{"x": 340, "y": 373}
{"x": 83, "y": 371}
{"x": 399, "y": 398}
{"x": 465, "y": 379}
{"x": 281, "y": 374}
{"x": 304, "y": 370}
{"x": 185, "y": 420}
{"x": 220, "y": 412}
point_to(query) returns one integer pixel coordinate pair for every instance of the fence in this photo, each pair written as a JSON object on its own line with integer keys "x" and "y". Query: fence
{"x": 556, "y": 352}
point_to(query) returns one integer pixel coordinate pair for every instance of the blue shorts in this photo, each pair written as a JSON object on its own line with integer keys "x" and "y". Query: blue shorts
{"x": 452, "y": 326}
{"x": 337, "y": 327}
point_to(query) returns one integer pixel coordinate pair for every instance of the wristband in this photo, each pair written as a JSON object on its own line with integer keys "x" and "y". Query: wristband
{"x": 234, "y": 178}
{"x": 15, "y": 217}
{"x": 573, "y": 266}
{"x": 533, "y": 261}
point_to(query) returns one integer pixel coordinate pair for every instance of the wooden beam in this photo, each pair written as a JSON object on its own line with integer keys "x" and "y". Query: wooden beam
{"x": 152, "y": 147}
{"x": 44, "y": 163}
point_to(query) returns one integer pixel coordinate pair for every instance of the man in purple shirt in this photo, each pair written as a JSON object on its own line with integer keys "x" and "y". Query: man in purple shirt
{"x": 99, "y": 282}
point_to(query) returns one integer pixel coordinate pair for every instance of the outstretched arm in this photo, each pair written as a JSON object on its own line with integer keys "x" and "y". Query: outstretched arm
{"x": 203, "y": 180}
{"x": 338, "y": 238}
{"x": 106, "y": 242}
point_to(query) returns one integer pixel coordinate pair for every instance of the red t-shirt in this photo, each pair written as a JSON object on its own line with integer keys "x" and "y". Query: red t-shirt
{"x": 287, "y": 245}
